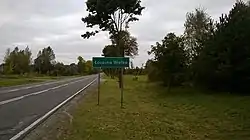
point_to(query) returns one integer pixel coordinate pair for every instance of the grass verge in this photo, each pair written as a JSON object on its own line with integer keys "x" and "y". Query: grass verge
{"x": 153, "y": 114}
{"x": 13, "y": 80}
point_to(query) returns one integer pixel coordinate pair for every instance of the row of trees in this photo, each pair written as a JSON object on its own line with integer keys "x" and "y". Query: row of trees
{"x": 19, "y": 61}
{"x": 212, "y": 55}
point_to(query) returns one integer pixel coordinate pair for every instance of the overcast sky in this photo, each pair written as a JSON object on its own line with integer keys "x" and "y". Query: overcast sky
{"x": 57, "y": 23}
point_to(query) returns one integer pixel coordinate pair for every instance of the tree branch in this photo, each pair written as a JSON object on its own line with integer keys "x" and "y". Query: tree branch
{"x": 125, "y": 18}
{"x": 119, "y": 20}
{"x": 113, "y": 18}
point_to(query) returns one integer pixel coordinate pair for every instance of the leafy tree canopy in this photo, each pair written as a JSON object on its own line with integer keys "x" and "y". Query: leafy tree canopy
{"x": 170, "y": 59}
{"x": 111, "y": 15}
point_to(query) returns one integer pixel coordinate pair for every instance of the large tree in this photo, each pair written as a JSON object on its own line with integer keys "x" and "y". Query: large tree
{"x": 198, "y": 27}
{"x": 113, "y": 16}
{"x": 17, "y": 61}
{"x": 225, "y": 62}
{"x": 152, "y": 71}
{"x": 45, "y": 60}
{"x": 170, "y": 60}
{"x": 81, "y": 65}
{"x": 89, "y": 67}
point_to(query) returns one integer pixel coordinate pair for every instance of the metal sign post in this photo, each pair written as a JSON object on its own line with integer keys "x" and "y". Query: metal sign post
{"x": 111, "y": 62}
{"x": 99, "y": 86}
{"x": 122, "y": 88}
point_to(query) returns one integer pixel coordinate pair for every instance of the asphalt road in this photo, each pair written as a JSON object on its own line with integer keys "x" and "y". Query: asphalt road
{"x": 22, "y": 105}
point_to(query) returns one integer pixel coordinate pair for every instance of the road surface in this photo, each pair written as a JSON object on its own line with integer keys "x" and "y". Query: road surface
{"x": 20, "y": 106}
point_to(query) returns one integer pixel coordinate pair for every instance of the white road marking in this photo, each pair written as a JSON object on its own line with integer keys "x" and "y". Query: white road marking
{"x": 11, "y": 100}
{"x": 13, "y": 90}
{"x": 44, "y": 117}
{"x": 27, "y": 87}
{"x": 36, "y": 93}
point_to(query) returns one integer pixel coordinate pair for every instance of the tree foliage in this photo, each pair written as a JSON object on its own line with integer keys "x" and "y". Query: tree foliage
{"x": 89, "y": 66}
{"x": 45, "y": 60}
{"x": 198, "y": 27}
{"x": 81, "y": 65}
{"x": 225, "y": 62}
{"x": 17, "y": 61}
{"x": 111, "y": 15}
{"x": 220, "y": 52}
{"x": 128, "y": 42}
{"x": 170, "y": 59}
{"x": 152, "y": 71}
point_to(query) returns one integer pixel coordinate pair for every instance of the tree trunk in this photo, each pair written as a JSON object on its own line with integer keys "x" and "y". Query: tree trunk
{"x": 121, "y": 52}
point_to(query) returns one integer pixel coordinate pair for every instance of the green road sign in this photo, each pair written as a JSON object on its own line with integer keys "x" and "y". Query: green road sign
{"x": 110, "y": 62}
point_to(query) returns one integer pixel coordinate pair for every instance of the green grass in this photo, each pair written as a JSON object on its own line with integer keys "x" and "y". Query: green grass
{"x": 151, "y": 113}
{"x": 13, "y": 80}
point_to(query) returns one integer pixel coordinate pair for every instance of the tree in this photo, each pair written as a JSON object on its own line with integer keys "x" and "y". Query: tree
{"x": 110, "y": 51}
{"x": 8, "y": 64}
{"x": 73, "y": 69}
{"x": 89, "y": 67}
{"x": 45, "y": 60}
{"x": 225, "y": 63}
{"x": 26, "y": 60}
{"x": 81, "y": 65}
{"x": 152, "y": 71}
{"x": 113, "y": 16}
{"x": 170, "y": 59}
{"x": 198, "y": 27}
{"x": 18, "y": 61}
{"x": 128, "y": 42}
{"x": 59, "y": 69}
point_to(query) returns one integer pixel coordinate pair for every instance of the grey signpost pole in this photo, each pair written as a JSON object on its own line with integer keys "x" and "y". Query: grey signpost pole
{"x": 99, "y": 85}
{"x": 122, "y": 87}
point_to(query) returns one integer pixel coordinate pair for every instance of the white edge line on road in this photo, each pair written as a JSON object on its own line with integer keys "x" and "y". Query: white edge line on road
{"x": 43, "y": 118}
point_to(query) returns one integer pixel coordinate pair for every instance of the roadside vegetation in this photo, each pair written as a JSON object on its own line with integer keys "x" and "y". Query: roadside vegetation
{"x": 19, "y": 68}
{"x": 212, "y": 55}
{"x": 151, "y": 112}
